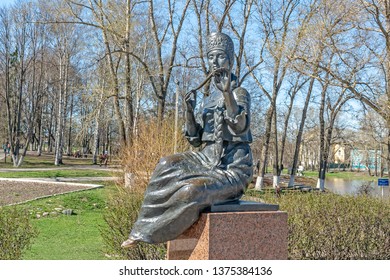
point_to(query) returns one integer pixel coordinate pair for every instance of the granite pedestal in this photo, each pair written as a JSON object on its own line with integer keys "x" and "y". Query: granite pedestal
{"x": 234, "y": 232}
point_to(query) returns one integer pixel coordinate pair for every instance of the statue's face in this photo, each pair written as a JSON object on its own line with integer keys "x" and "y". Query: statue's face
{"x": 218, "y": 59}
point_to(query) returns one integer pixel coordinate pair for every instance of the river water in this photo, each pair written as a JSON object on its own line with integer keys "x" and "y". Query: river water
{"x": 352, "y": 187}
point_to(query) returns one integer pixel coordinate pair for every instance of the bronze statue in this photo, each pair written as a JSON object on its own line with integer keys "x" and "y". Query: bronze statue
{"x": 183, "y": 185}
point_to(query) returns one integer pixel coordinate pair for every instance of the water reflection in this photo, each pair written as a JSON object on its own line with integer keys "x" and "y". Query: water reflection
{"x": 352, "y": 187}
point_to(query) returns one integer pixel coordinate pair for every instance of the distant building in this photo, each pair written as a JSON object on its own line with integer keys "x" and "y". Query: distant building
{"x": 364, "y": 159}
{"x": 339, "y": 154}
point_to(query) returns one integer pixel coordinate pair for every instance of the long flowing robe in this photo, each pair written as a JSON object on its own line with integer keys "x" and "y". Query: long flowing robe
{"x": 183, "y": 185}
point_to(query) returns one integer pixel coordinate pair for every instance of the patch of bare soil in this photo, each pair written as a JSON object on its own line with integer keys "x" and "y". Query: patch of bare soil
{"x": 14, "y": 191}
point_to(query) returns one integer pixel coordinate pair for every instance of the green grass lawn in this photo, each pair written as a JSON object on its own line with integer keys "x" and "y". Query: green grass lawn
{"x": 67, "y": 173}
{"x": 342, "y": 174}
{"x": 47, "y": 160}
{"x": 62, "y": 237}
{"x": 74, "y": 237}
{"x": 363, "y": 175}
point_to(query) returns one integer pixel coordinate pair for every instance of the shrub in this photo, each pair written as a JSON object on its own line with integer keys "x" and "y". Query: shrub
{"x": 365, "y": 189}
{"x": 330, "y": 226}
{"x": 122, "y": 212}
{"x": 16, "y": 232}
{"x": 152, "y": 141}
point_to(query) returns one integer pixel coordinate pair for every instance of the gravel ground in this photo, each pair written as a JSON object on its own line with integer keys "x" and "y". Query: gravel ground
{"x": 14, "y": 191}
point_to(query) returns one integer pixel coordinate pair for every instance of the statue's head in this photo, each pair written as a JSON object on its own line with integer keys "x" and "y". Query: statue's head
{"x": 220, "y": 51}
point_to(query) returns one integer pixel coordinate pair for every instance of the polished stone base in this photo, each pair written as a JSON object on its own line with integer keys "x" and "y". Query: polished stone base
{"x": 243, "y": 206}
{"x": 249, "y": 235}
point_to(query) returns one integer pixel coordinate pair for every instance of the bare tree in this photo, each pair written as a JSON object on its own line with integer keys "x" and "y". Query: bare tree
{"x": 293, "y": 90}
{"x": 333, "y": 109}
{"x": 325, "y": 28}
{"x": 361, "y": 40}
{"x": 22, "y": 79}
{"x": 275, "y": 20}
{"x": 65, "y": 45}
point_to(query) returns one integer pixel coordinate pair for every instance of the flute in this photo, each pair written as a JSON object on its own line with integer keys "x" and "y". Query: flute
{"x": 217, "y": 71}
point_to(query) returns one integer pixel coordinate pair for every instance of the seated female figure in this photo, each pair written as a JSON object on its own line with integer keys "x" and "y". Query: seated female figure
{"x": 185, "y": 184}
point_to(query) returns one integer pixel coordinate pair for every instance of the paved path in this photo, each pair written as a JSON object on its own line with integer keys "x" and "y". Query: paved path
{"x": 74, "y": 179}
{"x": 70, "y": 167}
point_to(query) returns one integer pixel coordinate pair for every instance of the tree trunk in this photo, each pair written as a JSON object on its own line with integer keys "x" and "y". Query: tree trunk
{"x": 60, "y": 113}
{"x": 376, "y": 162}
{"x": 40, "y": 141}
{"x": 161, "y": 106}
{"x": 300, "y": 133}
{"x": 39, "y": 128}
{"x": 50, "y": 130}
{"x": 97, "y": 127}
{"x": 96, "y": 140}
{"x": 69, "y": 148}
{"x": 8, "y": 90}
{"x": 129, "y": 96}
{"x": 138, "y": 104}
{"x": 114, "y": 79}
{"x": 286, "y": 121}
{"x": 276, "y": 168}
{"x": 381, "y": 160}
{"x": 264, "y": 151}
{"x": 326, "y": 152}
{"x": 21, "y": 157}
{"x": 321, "y": 175}
{"x": 388, "y": 148}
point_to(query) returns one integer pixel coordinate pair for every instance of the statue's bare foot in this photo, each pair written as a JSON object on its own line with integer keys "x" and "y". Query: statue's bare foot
{"x": 129, "y": 243}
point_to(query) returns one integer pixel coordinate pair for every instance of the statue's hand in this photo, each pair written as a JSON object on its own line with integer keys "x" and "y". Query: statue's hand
{"x": 190, "y": 103}
{"x": 190, "y": 100}
{"x": 223, "y": 81}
